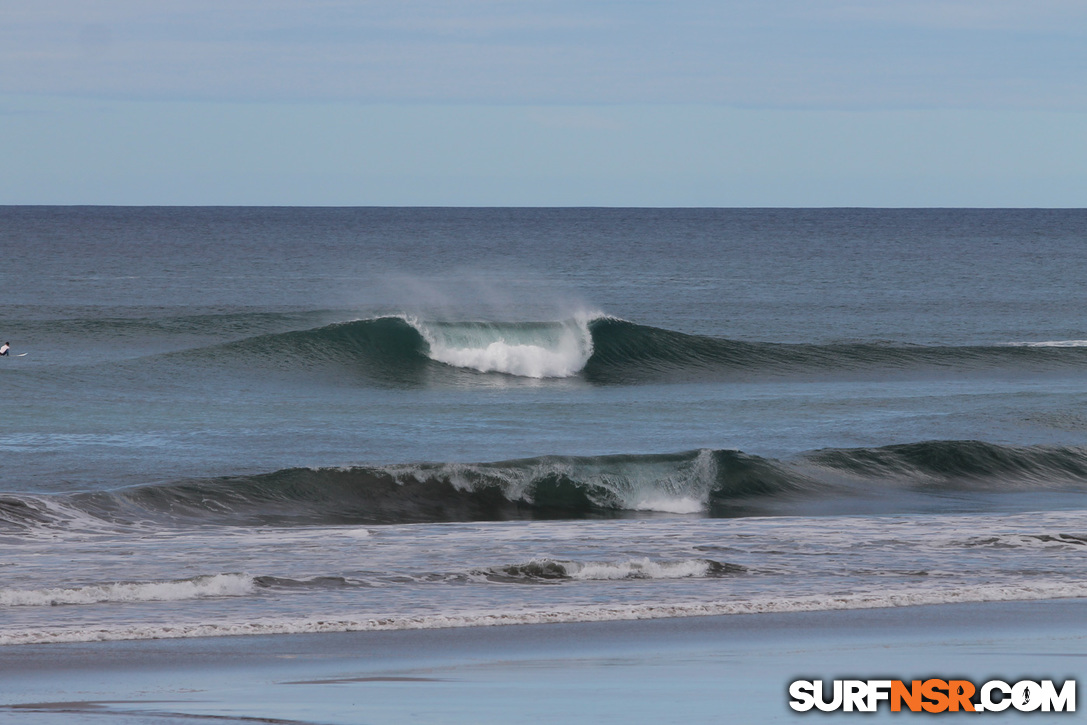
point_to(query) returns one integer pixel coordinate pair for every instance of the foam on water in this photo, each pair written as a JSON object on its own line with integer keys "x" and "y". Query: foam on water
{"x": 1056, "y": 343}
{"x": 643, "y": 568}
{"x": 588, "y": 613}
{"x": 664, "y": 504}
{"x": 215, "y": 585}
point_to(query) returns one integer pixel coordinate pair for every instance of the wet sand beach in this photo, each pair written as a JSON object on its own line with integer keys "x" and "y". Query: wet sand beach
{"x": 692, "y": 670}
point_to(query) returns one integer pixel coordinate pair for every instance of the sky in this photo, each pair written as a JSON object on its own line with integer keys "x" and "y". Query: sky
{"x": 532, "y": 103}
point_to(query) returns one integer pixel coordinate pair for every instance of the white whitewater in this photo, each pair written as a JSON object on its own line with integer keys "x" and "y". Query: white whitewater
{"x": 214, "y": 585}
{"x": 532, "y": 350}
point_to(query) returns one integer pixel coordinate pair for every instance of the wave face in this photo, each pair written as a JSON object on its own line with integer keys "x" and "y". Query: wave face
{"x": 627, "y": 352}
{"x": 407, "y": 350}
{"x": 715, "y": 483}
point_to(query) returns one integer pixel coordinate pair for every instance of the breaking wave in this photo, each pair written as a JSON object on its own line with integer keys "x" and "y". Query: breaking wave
{"x": 536, "y": 350}
{"x": 406, "y": 350}
{"x": 718, "y": 483}
{"x": 409, "y": 350}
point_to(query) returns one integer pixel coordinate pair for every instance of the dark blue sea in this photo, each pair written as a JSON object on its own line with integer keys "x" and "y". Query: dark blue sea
{"x": 276, "y": 420}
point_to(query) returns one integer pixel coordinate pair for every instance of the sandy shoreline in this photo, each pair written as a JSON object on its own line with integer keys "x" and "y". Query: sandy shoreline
{"x": 689, "y": 670}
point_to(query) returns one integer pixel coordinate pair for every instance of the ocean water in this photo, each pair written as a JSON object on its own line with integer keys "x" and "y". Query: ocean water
{"x": 262, "y": 420}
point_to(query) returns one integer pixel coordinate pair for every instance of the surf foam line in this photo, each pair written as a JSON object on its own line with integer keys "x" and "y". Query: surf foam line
{"x": 589, "y": 613}
{"x": 1053, "y": 343}
{"x": 213, "y": 585}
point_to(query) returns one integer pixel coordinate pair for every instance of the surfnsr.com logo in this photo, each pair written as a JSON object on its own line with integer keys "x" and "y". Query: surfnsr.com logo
{"x": 933, "y": 695}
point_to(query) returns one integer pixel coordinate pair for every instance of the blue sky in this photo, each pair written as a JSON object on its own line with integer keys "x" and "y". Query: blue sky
{"x": 683, "y": 103}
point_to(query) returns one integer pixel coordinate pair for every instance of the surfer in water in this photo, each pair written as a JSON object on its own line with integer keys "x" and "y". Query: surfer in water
{"x": 4, "y": 348}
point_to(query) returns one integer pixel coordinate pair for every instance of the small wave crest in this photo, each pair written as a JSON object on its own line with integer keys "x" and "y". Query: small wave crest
{"x": 550, "y": 570}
